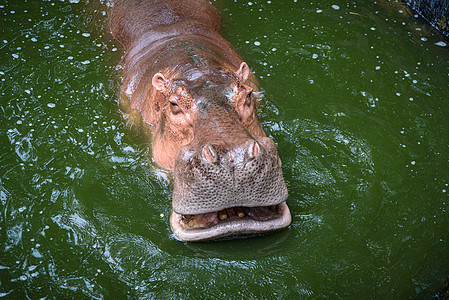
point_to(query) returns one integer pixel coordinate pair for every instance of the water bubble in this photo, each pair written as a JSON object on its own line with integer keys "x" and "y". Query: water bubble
{"x": 86, "y": 62}
{"x": 86, "y": 34}
{"x": 33, "y": 39}
{"x": 257, "y": 43}
{"x": 441, "y": 44}
{"x": 423, "y": 39}
{"x": 377, "y": 67}
{"x": 413, "y": 162}
{"x": 319, "y": 11}
{"x": 315, "y": 56}
{"x": 15, "y": 55}
{"x": 36, "y": 253}
{"x": 51, "y": 105}
{"x": 336, "y": 7}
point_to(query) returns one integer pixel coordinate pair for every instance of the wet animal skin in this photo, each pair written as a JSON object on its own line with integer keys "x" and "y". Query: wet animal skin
{"x": 199, "y": 96}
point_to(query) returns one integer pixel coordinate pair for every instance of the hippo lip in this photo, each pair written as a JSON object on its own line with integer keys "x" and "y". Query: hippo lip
{"x": 257, "y": 220}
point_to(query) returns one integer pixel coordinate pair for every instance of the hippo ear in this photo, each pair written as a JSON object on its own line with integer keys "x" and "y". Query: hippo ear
{"x": 160, "y": 83}
{"x": 243, "y": 72}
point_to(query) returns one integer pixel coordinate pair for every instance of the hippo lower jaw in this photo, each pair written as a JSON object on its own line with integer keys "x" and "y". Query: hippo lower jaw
{"x": 238, "y": 222}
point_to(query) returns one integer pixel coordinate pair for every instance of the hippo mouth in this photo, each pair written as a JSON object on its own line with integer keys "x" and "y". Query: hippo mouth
{"x": 230, "y": 222}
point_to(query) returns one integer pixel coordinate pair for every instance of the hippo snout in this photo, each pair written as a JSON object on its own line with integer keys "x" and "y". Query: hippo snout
{"x": 246, "y": 153}
{"x": 214, "y": 175}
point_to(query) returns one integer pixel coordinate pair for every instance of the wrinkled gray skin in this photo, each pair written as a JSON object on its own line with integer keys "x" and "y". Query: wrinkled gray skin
{"x": 197, "y": 93}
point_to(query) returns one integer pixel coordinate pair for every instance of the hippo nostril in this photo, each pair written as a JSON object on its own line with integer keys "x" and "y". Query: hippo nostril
{"x": 209, "y": 154}
{"x": 253, "y": 149}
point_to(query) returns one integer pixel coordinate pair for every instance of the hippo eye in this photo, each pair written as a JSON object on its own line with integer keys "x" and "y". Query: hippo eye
{"x": 175, "y": 109}
{"x": 248, "y": 98}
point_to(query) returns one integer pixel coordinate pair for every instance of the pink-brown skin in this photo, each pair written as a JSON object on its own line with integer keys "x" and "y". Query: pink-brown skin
{"x": 190, "y": 84}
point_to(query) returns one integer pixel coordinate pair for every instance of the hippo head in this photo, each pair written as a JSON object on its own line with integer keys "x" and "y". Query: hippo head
{"x": 227, "y": 174}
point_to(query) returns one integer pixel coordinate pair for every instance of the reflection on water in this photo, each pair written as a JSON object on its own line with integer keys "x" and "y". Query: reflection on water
{"x": 355, "y": 98}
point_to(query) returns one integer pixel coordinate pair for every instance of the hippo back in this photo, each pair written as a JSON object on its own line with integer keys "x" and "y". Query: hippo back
{"x": 131, "y": 19}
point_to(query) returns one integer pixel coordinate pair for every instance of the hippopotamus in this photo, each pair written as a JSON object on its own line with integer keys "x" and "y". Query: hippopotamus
{"x": 199, "y": 98}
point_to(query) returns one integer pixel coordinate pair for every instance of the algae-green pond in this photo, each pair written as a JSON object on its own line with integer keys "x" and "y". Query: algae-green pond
{"x": 355, "y": 96}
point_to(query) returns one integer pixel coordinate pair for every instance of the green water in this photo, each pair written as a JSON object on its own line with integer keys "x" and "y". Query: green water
{"x": 356, "y": 97}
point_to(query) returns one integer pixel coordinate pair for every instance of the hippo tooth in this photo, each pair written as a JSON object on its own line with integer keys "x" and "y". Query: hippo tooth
{"x": 222, "y": 214}
{"x": 239, "y": 212}
{"x": 186, "y": 218}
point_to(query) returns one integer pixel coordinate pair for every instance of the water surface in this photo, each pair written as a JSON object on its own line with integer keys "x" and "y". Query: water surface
{"x": 355, "y": 96}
